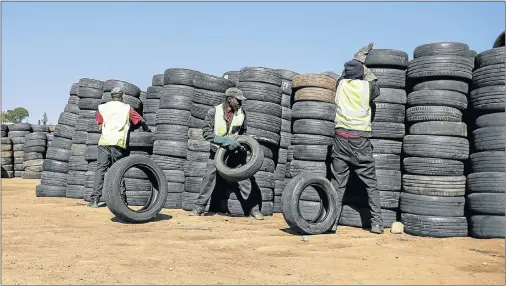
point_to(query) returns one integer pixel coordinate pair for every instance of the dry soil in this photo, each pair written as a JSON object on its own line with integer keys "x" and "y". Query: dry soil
{"x": 61, "y": 241}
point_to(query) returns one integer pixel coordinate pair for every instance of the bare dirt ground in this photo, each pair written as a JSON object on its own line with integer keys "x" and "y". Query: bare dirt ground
{"x": 60, "y": 241}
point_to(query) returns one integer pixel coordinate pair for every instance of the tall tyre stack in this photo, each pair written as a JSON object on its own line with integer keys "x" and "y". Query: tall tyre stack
{"x": 262, "y": 89}
{"x": 7, "y": 154}
{"x": 137, "y": 185}
{"x": 90, "y": 97}
{"x": 152, "y": 102}
{"x": 232, "y": 76}
{"x": 34, "y": 152}
{"x": 313, "y": 114}
{"x": 209, "y": 92}
{"x": 388, "y": 130}
{"x": 172, "y": 120}
{"x": 50, "y": 135}
{"x": 486, "y": 184}
{"x": 17, "y": 133}
{"x": 432, "y": 201}
{"x": 286, "y": 135}
{"x": 53, "y": 181}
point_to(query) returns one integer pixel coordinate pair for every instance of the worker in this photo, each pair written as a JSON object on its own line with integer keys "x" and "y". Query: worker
{"x": 113, "y": 119}
{"x": 352, "y": 149}
{"x": 223, "y": 124}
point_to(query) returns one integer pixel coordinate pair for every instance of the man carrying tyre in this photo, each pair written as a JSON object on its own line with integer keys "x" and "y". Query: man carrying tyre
{"x": 223, "y": 124}
{"x": 352, "y": 149}
{"x": 114, "y": 118}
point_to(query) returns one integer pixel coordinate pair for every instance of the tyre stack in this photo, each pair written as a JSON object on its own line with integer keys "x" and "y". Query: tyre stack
{"x": 313, "y": 114}
{"x": 171, "y": 136}
{"x": 486, "y": 184}
{"x": 232, "y": 76}
{"x": 137, "y": 184}
{"x": 17, "y": 133}
{"x": 209, "y": 91}
{"x": 388, "y": 130}
{"x": 262, "y": 89}
{"x": 152, "y": 102}
{"x": 7, "y": 154}
{"x": 286, "y": 135}
{"x": 432, "y": 201}
{"x": 53, "y": 181}
{"x": 34, "y": 152}
{"x": 90, "y": 96}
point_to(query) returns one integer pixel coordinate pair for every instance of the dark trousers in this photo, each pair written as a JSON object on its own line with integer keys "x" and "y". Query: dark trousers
{"x": 355, "y": 154}
{"x": 107, "y": 156}
{"x": 251, "y": 198}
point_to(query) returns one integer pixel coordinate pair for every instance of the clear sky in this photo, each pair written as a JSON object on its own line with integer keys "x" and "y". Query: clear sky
{"x": 48, "y": 46}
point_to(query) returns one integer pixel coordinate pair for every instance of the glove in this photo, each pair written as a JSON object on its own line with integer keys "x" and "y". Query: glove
{"x": 224, "y": 141}
{"x": 145, "y": 127}
{"x": 361, "y": 55}
{"x": 234, "y": 145}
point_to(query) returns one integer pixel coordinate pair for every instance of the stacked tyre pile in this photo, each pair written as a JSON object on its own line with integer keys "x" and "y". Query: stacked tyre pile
{"x": 17, "y": 133}
{"x": 432, "y": 201}
{"x": 388, "y": 130}
{"x": 131, "y": 93}
{"x": 209, "y": 91}
{"x": 53, "y": 181}
{"x": 286, "y": 135}
{"x": 232, "y": 76}
{"x": 34, "y": 153}
{"x": 137, "y": 184}
{"x": 90, "y": 97}
{"x": 171, "y": 136}
{"x": 7, "y": 154}
{"x": 50, "y": 134}
{"x": 486, "y": 183}
{"x": 152, "y": 103}
{"x": 313, "y": 114}
{"x": 262, "y": 89}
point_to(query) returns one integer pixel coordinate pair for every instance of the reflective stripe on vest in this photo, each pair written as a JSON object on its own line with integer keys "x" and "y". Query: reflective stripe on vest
{"x": 220, "y": 125}
{"x": 353, "y": 111}
{"x": 116, "y": 123}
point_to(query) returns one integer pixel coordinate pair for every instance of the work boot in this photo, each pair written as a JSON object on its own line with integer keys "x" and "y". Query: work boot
{"x": 378, "y": 229}
{"x": 255, "y": 213}
{"x": 93, "y": 203}
{"x": 197, "y": 211}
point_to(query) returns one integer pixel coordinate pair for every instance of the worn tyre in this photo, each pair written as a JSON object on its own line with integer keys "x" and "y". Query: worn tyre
{"x": 112, "y": 186}
{"x": 245, "y": 171}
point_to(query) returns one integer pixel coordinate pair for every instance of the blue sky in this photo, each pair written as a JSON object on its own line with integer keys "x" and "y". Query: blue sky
{"x": 48, "y": 46}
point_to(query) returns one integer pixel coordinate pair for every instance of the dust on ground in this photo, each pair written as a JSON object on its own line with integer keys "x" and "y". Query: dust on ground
{"x": 61, "y": 241}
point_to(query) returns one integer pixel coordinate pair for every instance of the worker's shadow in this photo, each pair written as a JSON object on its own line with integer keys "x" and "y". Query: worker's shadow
{"x": 157, "y": 218}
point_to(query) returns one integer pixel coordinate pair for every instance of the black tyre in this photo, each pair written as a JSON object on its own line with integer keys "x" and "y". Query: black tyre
{"x": 245, "y": 171}
{"x": 112, "y": 186}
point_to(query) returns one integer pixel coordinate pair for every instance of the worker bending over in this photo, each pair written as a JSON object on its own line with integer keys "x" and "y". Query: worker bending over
{"x": 113, "y": 119}
{"x": 223, "y": 124}
{"x": 352, "y": 149}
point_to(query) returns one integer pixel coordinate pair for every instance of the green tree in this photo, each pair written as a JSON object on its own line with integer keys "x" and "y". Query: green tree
{"x": 15, "y": 116}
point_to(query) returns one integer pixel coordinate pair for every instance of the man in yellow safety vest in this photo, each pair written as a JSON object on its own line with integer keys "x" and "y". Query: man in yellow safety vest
{"x": 222, "y": 125}
{"x": 113, "y": 119}
{"x": 352, "y": 149}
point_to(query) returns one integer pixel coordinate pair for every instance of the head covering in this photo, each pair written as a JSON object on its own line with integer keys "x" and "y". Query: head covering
{"x": 116, "y": 92}
{"x": 235, "y": 92}
{"x": 353, "y": 70}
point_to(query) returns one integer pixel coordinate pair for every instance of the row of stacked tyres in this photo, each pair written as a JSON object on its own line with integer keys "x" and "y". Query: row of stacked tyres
{"x": 313, "y": 114}
{"x": 436, "y": 147}
{"x": 486, "y": 183}
{"x": 286, "y": 136}
{"x": 7, "y": 154}
{"x": 388, "y": 130}
{"x": 53, "y": 181}
{"x": 171, "y": 135}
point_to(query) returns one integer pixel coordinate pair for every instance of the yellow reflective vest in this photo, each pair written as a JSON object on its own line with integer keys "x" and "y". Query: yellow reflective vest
{"x": 220, "y": 125}
{"x": 116, "y": 124}
{"x": 353, "y": 110}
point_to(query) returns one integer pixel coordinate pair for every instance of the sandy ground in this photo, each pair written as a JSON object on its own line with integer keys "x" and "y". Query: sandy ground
{"x": 60, "y": 241}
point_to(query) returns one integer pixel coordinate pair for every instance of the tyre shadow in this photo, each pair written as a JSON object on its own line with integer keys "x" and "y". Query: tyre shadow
{"x": 159, "y": 217}
{"x": 293, "y": 232}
